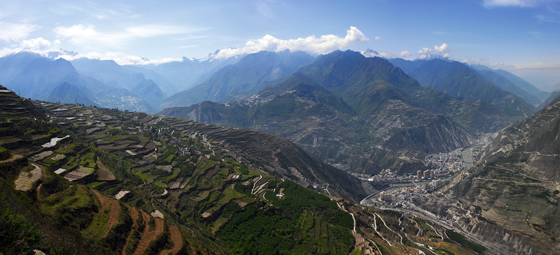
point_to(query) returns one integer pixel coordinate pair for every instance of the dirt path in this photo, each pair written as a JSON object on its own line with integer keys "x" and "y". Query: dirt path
{"x": 25, "y": 180}
{"x": 134, "y": 215}
{"x": 148, "y": 235}
{"x": 104, "y": 173}
{"x": 115, "y": 208}
{"x": 177, "y": 241}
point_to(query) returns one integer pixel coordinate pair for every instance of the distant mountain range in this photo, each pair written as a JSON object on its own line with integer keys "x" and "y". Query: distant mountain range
{"x": 37, "y": 77}
{"x": 243, "y": 79}
{"x": 188, "y": 72}
{"x": 323, "y": 107}
{"x": 359, "y": 113}
{"x": 475, "y": 82}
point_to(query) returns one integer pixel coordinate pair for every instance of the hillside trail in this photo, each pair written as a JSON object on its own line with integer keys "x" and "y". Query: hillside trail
{"x": 177, "y": 241}
{"x": 134, "y": 215}
{"x": 148, "y": 236}
{"x": 114, "y": 210}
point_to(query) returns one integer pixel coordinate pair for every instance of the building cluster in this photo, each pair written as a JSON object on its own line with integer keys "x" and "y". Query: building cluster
{"x": 444, "y": 164}
{"x": 427, "y": 174}
{"x": 403, "y": 197}
{"x": 396, "y": 197}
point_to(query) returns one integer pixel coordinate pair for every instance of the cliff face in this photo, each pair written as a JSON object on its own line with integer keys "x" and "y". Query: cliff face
{"x": 512, "y": 194}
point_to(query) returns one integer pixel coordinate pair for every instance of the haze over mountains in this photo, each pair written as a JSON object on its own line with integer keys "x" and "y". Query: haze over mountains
{"x": 182, "y": 83}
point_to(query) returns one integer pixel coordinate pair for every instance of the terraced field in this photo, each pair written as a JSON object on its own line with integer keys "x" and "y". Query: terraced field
{"x": 209, "y": 189}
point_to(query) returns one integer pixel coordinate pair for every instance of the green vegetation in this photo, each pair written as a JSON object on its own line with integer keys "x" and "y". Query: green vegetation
{"x": 17, "y": 235}
{"x": 202, "y": 167}
{"x": 288, "y": 225}
{"x": 464, "y": 242}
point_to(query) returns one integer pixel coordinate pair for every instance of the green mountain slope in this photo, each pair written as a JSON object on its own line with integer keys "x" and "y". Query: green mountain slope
{"x": 117, "y": 182}
{"x": 204, "y": 186}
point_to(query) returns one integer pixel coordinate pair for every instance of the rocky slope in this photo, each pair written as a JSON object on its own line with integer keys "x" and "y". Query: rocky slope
{"x": 510, "y": 198}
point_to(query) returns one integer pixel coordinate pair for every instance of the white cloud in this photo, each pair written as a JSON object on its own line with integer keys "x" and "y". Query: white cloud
{"x": 119, "y": 57}
{"x": 39, "y": 44}
{"x": 424, "y": 50}
{"x": 441, "y": 51}
{"x": 371, "y": 53}
{"x": 51, "y": 49}
{"x": 506, "y": 3}
{"x": 405, "y": 54}
{"x": 159, "y": 30}
{"x": 377, "y": 38}
{"x": 311, "y": 44}
{"x": 14, "y": 32}
{"x": 87, "y": 34}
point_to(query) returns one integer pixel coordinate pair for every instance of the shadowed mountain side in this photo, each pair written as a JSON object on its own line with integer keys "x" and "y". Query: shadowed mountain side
{"x": 458, "y": 80}
{"x": 523, "y": 84}
{"x": 149, "y": 91}
{"x": 507, "y": 85}
{"x": 476, "y": 116}
{"x": 67, "y": 93}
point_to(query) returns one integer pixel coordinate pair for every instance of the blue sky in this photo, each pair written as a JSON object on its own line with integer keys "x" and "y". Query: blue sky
{"x": 522, "y": 36}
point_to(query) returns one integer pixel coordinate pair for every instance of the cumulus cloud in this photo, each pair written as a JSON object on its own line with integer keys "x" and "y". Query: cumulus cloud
{"x": 14, "y": 32}
{"x": 311, "y": 44}
{"x": 437, "y": 51}
{"x": 377, "y": 38}
{"x": 39, "y": 44}
{"x": 405, "y": 54}
{"x": 371, "y": 53}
